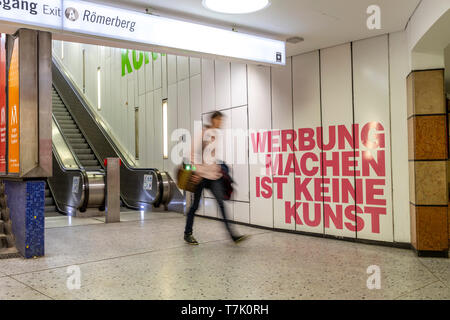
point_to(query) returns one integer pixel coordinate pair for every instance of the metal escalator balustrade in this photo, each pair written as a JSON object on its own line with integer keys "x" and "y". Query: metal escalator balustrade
{"x": 73, "y": 134}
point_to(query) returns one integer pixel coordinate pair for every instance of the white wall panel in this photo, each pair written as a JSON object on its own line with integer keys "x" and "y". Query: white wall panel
{"x": 225, "y": 148}
{"x": 141, "y": 76}
{"x": 208, "y": 87}
{"x": 117, "y": 102}
{"x": 371, "y": 93}
{"x": 150, "y": 149}
{"x": 142, "y": 107}
{"x": 337, "y": 110}
{"x": 238, "y": 84}
{"x": 170, "y": 164}
{"x": 171, "y": 69}
{"x": 282, "y": 119}
{"x": 206, "y": 121}
{"x": 259, "y": 110}
{"x": 122, "y": 112}
{"x": 158, "y": 137}
{"x": 107, "y": 102}
{"x": 164, "y": 71}
{"x": 157, "y": 72}
{"x": 400, "y": 176}
{"x": 241, "y": 212}
{"x": 182, "y": 68}
{"x": 196, "y": 100}
{"x": 306, "y": 88}
{"x": 223, "y": 85}
{"x": 210, "y": 206}
{"x": 149, "y": 74}
{"x": 194, "y": 66}
{"x": 184, "y": 109}
{"x": 132, "y": 102}
{"x": 240, "y": 154}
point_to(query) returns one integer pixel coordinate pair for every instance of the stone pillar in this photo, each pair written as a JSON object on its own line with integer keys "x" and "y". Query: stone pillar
{"x": 112, "y": 190}
{"x": 26, "y": 203}
{"x": 428, "y": 156}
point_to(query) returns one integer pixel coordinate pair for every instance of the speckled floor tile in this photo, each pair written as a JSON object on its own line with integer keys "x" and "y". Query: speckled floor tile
{"x": 439, "y": 267}
{"x": 80, "y": 244}
{"x": 11, "y": 289}
{"x": 147, "y": 259}
{"x": 65, "y": 221}
{"x": 434, "y": 291}
{"x": 267, "y": 266}
{"x": 140, "y": 215}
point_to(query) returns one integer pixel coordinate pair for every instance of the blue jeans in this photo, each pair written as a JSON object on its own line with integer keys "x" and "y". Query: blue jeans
{"x": 216, "y": 188}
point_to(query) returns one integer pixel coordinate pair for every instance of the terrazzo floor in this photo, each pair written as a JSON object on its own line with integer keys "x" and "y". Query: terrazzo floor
{"x": 144, "y": 257}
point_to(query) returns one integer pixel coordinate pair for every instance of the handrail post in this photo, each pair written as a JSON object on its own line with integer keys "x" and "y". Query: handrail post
{"x": 112, "y": 190}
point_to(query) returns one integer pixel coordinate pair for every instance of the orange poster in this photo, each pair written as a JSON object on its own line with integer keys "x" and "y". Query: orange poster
{"x": 2, "y": 104}
{"x": 13, "y": 112}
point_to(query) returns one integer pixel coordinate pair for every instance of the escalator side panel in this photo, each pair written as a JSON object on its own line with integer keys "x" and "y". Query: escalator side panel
{"x": 67, "y": 188}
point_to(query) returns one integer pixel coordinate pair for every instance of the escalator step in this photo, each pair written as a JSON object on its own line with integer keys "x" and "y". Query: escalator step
{"x": 70, "y": 121}
{"x": 68, "y": 131}
{"x": 60, "y": 113}
{"x": 50, "y": 208}
{"x": 47, "y": 192}
{"x": 82, "y": 151}
{"x": 86, "y": 157}
{"x": 89, "y": 163}
{"x": 63, "y": 118}
{"x": 73, "y": 136}
{"x": 93, "y": 168}
{"x": 69, "y": 126}
{"x": 80, "y": 146}
{"x": 76, "y": 140}
{"x": 49, "y": 201}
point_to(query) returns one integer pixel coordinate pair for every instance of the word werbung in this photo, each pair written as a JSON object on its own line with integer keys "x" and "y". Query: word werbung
{"x": 338, "y": 174}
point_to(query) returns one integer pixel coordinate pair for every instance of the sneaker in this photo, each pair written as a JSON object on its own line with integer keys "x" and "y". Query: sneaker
{"x": 189, "y": 238}
{"x": 238, "y": 239}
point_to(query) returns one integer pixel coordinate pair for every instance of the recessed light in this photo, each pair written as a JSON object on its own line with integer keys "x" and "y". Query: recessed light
{"x": 236, "y": 6}
{"x": 295, "y": 40}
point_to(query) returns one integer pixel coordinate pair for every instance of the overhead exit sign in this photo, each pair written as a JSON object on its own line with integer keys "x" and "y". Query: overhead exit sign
{"x": 86, "y": 18}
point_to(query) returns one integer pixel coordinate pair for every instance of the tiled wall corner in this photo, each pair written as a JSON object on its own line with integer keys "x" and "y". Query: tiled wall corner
{"x": 428, "y": 161}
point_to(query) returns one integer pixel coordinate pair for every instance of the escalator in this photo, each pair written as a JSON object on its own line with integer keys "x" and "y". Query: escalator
{"x": 80, "y": 147}
{"x": 71, "y": 131}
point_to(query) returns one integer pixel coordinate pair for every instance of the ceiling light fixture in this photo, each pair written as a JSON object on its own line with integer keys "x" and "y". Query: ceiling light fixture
{"x": 236, "y": 6}
{"x": 295, "y": 40}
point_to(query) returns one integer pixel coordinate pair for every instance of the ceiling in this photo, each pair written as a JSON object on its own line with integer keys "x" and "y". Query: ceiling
{"x": 322, "y": 23}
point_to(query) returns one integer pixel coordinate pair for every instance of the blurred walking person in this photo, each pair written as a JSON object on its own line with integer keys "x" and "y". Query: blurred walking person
{"x": 209, "y": 175}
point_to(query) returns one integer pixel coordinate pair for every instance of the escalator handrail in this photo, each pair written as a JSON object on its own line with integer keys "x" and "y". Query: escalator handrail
{"x": 83, "y": 102}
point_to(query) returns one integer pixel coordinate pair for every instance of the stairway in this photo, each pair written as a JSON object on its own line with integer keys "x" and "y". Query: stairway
{"x": 73, "y": 134}
{"x": 7, "y": 242}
